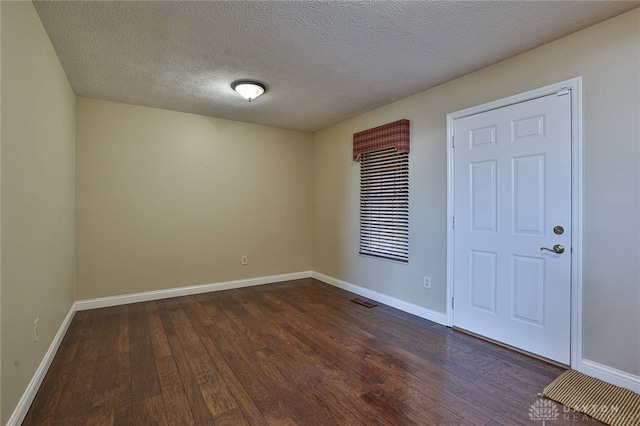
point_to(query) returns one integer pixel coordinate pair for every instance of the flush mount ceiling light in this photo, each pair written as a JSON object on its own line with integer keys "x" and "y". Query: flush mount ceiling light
{"x": 249, "y": 89}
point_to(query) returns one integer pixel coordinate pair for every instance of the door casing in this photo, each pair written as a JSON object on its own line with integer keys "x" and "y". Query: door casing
{"x": 574, "y": 85}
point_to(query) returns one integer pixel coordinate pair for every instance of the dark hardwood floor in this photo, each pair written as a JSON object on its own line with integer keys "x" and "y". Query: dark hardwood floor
{"x": 297, "y": 353}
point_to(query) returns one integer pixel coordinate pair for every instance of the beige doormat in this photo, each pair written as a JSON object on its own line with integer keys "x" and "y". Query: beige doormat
{"x": 608, "y": 403}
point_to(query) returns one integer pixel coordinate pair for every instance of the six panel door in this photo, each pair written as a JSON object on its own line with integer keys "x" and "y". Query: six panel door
{"x": 512, "y": 174}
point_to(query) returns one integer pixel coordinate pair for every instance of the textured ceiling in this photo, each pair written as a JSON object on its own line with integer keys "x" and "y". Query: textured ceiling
{"x": 322, "y": 61}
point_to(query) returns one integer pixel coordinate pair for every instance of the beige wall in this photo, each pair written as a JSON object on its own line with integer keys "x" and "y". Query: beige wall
{"x": 37, "y": 173}
{"x": 608, "y": 57}
{"x": 167, "y": 199}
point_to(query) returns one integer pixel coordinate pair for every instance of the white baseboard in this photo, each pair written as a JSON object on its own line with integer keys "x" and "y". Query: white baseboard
{"x": 425, "y": 313}
{"x": 590, "y": 368}
{"x": 29, "y": 394}
{"x": 611, "y": 375}
{"x": 125, "y": 299}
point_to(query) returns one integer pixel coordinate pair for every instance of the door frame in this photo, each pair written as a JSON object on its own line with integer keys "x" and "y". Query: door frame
{"x": 574, "y": 86}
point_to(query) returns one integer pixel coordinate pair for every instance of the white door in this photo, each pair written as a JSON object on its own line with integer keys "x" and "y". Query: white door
{"x": 512, "y": 198}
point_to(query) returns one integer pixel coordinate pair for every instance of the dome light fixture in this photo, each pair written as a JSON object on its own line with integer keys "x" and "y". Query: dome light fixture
{"x": 249, "y": 89}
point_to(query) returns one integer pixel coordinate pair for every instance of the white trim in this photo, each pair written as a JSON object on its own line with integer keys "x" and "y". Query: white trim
{"x": 577, "y": 177}
{"x": 450, "y": 223}
{"x": 577, "y": 196}
{"x": 21, "y": 410}
{"x": 425, "y": 313}
{"x": 611, "y": 375}
{"x": 29, "y": 394}
{"x": 103, "y": 302}
{"x": 591, "y": 368}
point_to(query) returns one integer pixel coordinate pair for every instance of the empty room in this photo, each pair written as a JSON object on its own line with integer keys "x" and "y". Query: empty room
{"x": 319, "y": 212}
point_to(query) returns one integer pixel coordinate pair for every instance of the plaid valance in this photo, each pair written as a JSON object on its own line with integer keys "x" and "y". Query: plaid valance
{"x": 392, "y": 135}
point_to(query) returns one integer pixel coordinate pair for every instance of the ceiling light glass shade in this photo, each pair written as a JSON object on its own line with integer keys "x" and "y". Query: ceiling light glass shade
{"x": 249, "y": 89}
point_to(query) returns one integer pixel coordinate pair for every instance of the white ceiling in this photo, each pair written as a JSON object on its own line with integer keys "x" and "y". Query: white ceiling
{"x": 323, "y": 61}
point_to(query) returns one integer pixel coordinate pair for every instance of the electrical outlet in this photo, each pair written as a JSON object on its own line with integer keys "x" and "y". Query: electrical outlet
{"x": 427, "y": 282}
{"x": 244, "y": 260}
{"x": 36, "y": 329}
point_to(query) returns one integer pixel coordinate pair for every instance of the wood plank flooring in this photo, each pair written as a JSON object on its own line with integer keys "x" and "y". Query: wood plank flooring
{"x": 293, "y": 353}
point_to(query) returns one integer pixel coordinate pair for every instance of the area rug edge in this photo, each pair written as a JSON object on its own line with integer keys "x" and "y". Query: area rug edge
{"x": 603, "y": 401}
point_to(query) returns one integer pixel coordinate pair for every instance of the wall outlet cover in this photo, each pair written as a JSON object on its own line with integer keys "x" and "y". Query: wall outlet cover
{"x": 427, "y": 282}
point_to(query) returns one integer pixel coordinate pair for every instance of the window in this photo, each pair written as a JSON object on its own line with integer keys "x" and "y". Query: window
{"x": 384, "y": 197}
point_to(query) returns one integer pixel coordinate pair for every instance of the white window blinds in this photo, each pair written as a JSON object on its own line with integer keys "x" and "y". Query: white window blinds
{"x": 384, "y": 204}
